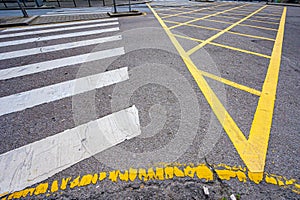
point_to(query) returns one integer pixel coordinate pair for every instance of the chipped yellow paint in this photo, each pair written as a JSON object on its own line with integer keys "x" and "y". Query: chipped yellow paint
{"x": 54, "y": 186}
{"x": 64, "y": 183}
{"x": 166, "y": 171}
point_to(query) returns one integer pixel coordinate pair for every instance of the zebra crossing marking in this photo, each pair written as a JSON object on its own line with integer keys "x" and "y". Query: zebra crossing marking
{"x": 57, "y": 63}
{"x": 57, "y": 25}
{"x": 61, "y": 36}
{"x": 21, "y": 101}
{"x": 57, "y": 47}
{"x": 58, "y": 29}
{"x": 35, "y": 162}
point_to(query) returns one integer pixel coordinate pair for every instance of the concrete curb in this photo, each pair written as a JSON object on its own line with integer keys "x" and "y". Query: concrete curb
{"x": 124, "y": 14}
{"x": 21, "y": 23}
{"x": 284, "y": 4}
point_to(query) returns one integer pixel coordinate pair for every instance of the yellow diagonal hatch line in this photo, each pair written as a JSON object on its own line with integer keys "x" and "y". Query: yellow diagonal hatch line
{"x": 222, "y": 32}
{"x": 252, "y": 151}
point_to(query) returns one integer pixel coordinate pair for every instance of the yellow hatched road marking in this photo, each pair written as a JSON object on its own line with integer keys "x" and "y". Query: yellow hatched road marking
{"x": 226, "y": 47}
{"x": 207, "y": 16}
{"x": 253, "y": 20}
{"x": 248, "y": 25}
{"x": 252, "y": 151}
{"x": 222, "y": 32}
{"x": 173, "y": 15}
{"x": 216, "y": 29}
{"x": 270, "y": 18}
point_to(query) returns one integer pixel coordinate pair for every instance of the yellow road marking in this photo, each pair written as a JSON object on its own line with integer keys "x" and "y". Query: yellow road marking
{"x": 248, "y": 25}
{"x": 226, "y": 47}
{"x": 270, "y": 18}
{"x": 193, "y": 11}
{"x": 253, "y": 20}
{"x": 216, "y": 29}
{"x": 207, "y": 16}
{"x": 261, "y": 125}
{"x": 222, "y": 32}
{"x": 253, "y": 155}
{"x": 160, "y": 172}
{"x": 230, "y": 83}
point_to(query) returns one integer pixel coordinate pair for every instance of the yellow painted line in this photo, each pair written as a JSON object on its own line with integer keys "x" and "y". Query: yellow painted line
{"x": 233, "y": 131}
{"x": 159, "y": 172}
{"x": 262, "y": 122}
{"x": 216, "y": 29}
{"x": 248, "y": 25}
{"x": 207, "y": 16}
{"x": 269, "y": 18}
{"x": 253, "y": 156}
{"x": 252, "y": 20}
{"x": 231, "y": 83}
{"x": 226, "y": 47}
{"x": 194, "y": 11}
{"x": 240, "y": 50}
{"x": 222, "y": 32}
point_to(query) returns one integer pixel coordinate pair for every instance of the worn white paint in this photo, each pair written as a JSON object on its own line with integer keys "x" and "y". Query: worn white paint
{"x": 59, "y": 36}
{"x": 57, "y": 47}
{"x": 57, "y": 63}
{"x": 31, "y": 98}
{"x": 37, "y": 161}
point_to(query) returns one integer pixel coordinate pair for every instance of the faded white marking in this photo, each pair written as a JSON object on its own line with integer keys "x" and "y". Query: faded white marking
{"x": 60, "y": 36}
{"x": 57, "y": 47}
{"x": 61, "y": 62}
{"x": 39, "y": 160}
{"x": 31, "y": 98}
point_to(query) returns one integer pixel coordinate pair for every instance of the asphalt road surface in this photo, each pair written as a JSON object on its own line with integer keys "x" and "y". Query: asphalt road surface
{"x": 187, "y": 97}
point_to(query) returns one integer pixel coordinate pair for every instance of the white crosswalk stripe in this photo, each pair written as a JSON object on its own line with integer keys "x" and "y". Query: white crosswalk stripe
{"x": 57, "y": 25}
{"x": 58, "y": 29}
{"x": 57, "y": 47}
{"x": 61, "y": 62}
{"x": 38, "y": 160}
{"x": 53, "y": 37}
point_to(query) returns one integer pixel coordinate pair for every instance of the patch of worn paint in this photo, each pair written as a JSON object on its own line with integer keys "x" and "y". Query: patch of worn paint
{"x": 164, "y": 172}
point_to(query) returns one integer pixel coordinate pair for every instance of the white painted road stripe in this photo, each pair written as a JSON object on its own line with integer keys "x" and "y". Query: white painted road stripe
{"x": 31, "y": 98}
{"x": 40, "y": 160}
{"x": 57, "y": 47}
{"x": 32, "y": 33}
{"x": 61, "y": 36}
{"x": 62, "y": 62}
{"x": 58, "y": 25}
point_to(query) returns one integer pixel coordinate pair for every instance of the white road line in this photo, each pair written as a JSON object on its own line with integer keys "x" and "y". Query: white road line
{"x": 42, "y": 159}
{"x": 58, "y": 25}
{"x": 62, "y": 62}
{"x": 53, "y": 37}
{"x": 58, "y": 29}
{"x": 57, "y": 47}
{"x": 31, "y": 98}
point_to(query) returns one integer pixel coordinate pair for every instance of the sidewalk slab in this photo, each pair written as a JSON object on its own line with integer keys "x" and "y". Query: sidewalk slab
{"x": 67, "y": 18}
{"x": 16, "y": 21}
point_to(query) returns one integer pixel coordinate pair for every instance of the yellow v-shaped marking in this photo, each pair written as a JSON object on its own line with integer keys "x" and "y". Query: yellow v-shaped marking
{"x": 252, "y": 151}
